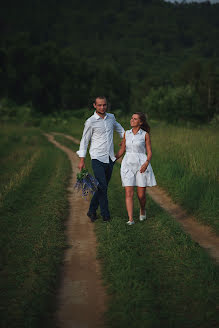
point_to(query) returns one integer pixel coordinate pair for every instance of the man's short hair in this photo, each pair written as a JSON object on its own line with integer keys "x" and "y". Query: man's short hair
{"x": 99, "y": 97}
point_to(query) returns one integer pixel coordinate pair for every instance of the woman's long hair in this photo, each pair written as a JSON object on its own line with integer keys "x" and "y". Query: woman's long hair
{"x": 144, "y": 123}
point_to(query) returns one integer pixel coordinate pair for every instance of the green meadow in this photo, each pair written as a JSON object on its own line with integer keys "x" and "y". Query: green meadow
{"x": 33, "y": 208}
{"x": 155, "y": 274}
{"x": 185, "y": 161}
{"x": 157, "y": 56}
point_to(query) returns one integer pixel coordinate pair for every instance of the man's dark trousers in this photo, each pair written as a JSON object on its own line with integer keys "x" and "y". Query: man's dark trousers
{"x": 102, "y": 172}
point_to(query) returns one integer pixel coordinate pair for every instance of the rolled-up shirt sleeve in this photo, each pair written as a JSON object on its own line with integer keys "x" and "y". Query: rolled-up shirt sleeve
{"x": 118, "y": 128}
{"x": 85, "y": 140}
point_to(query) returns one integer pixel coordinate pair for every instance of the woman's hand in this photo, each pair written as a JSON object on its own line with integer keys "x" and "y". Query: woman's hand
{"x": 144, "y": 167}
{"x": 148, "y": 151}
{"x": 122, "y": 149}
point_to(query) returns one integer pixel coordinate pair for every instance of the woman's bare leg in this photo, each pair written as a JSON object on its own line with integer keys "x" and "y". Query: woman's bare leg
{"x": 129, "y": 192}
{"x": 141, "y": 191}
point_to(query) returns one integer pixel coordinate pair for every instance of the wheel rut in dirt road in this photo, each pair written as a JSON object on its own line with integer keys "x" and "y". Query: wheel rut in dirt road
{"x": 200, "y": 233}
{"x": 81, "y": 298}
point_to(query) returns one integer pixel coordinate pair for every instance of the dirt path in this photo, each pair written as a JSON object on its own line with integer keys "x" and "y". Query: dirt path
{"x": 76, "y": 141}
{"x": 200, "y": 233}
{"x": 81, "y": 298}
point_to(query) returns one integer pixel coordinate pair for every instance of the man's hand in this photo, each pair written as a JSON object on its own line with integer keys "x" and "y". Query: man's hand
{"x": 81, "y": 164}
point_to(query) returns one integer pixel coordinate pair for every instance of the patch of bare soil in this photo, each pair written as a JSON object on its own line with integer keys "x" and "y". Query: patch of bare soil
{"x": 81, "y": 298}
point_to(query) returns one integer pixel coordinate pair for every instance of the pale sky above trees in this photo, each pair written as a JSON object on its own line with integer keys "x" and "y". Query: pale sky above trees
{"x": 212, "y": 1}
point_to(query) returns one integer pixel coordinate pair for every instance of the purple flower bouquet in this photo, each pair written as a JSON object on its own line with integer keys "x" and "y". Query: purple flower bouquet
{"x": 86, "y": 183}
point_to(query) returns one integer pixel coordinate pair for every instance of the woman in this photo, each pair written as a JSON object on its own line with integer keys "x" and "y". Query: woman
{"x": 136, "y": 169}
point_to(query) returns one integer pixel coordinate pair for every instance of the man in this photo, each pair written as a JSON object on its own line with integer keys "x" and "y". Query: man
{"x": 99, "y": 130}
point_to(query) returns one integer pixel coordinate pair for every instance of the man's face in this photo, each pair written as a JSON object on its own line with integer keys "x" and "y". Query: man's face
{"x": 101, "y": 106}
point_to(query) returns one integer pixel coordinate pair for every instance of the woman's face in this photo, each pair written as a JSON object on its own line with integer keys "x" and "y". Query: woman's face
{"x": 135, "y": 121}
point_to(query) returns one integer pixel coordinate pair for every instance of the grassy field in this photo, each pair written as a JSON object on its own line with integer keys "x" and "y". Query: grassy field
{"x": 68, "y": 124}
{"x": 33, "y": 208}
{"x": 185, "y": 162}
{"x": 155, "y": 274}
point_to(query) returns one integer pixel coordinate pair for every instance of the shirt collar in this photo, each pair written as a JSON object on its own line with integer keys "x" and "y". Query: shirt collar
{"x": 98, "y": 116}
{"x": 139, "y": 132}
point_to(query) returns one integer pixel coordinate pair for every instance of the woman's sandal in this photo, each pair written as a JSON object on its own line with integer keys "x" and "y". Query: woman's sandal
{"x": 142, "y": 217}
{"x": 130, "y": 222}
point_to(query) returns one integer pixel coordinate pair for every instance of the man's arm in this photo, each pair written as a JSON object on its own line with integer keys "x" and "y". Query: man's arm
{"x": 84, "y": 144}
{"x": 118, "y": 128}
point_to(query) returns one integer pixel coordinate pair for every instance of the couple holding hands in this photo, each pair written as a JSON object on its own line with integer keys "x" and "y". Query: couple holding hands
{"x": 136, "y": 169}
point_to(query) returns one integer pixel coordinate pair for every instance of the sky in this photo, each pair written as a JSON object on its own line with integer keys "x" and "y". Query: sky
{"x": 212, "y": 1}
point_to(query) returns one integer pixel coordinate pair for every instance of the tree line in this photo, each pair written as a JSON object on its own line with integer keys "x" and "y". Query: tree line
{"x": 50, "y": 78}
{"x": 154, "y": 55}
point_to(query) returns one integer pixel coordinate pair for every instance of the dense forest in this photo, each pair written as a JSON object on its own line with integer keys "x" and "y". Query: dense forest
{"x": 152, "y": 55}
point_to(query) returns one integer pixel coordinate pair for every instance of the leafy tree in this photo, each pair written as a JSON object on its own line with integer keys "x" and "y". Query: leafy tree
{"x": 57, "y": 54}
{"x": 3, "y": 73}
{"x": 175, "y": 104}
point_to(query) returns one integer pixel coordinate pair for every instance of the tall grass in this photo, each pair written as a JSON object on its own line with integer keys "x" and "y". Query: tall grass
{"x": 33, "y": 209}
{"x": 185, "y": 161}
{"x": 186, "y": 164}
{"x": 71, "y": 122}
{"x": 155, "y": 274}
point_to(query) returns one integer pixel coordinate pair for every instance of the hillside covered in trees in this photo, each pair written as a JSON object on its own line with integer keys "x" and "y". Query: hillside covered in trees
{"x": 58, "y": 54}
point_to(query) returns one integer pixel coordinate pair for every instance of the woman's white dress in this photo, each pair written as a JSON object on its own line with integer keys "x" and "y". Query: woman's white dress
{"x": 134, "y": 157}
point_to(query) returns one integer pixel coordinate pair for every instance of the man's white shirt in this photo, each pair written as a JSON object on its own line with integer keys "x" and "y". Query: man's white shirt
{"x": 99, "y": 131}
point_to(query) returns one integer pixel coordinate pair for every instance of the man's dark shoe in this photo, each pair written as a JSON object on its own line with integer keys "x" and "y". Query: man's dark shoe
{"x": 92, "y": 216}
{"x": 106, "y": 219}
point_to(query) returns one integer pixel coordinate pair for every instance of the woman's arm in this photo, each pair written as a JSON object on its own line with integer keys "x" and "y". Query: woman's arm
{"x": 122, "y": 149}
{"x": 149, "y": 153}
